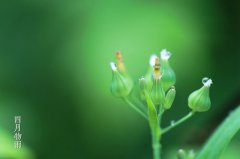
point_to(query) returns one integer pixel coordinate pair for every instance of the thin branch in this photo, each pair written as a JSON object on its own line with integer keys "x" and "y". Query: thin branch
{"x": 174, "y": 124}
{"x": 135, "y": 108}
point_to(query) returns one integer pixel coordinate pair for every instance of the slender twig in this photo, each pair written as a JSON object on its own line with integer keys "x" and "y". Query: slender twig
{"x": 173, "y": 125}
{"x": 139, "y": 103}
{"x": 135, "y": 108}
{"x": 160, "y": 113}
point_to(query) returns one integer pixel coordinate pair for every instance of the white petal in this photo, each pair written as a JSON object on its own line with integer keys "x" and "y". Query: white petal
{"x": 207, "y": 82}
{"x": 165, "y": 55}
{"x": 113, "y": 66}
{"x": 152, "y": 59}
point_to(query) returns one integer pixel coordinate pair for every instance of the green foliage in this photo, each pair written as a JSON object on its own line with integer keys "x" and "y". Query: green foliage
{"x": 222, "y": 137}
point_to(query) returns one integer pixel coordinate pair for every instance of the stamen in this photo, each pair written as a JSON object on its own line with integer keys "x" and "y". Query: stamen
{"x": 157, "y": 72}
{"x": 119, "y": 55}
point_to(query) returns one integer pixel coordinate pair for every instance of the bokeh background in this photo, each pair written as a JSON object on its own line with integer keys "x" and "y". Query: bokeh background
{"x": 54, "y": 72}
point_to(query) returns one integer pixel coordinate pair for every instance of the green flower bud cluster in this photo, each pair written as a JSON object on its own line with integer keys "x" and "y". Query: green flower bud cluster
{"x": 159, "y": 83}
{"x": 122, "y": 84}
{"x": 160, "y": 80}
{"x": 158, "y": 91}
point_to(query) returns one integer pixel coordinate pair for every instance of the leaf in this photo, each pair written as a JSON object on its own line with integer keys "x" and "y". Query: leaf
{"x": 221, "y": 137}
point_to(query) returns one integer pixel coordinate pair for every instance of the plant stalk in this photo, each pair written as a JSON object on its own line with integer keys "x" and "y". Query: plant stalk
{"x": 156, "y": 147}
{"x": 135, "y": 108}
{"x": 173, "y": 125}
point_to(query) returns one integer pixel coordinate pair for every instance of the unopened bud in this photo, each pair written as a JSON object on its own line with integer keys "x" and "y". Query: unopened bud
{"x": 168, "y": 75}
{"x": 142, "y": 84}
{"x": 199, "y": 100}
{"x": 157, "y": 93}
{"x": 143, "y": 87}
{"x": 181, "y": 154}
{"x": 169, "y": 98}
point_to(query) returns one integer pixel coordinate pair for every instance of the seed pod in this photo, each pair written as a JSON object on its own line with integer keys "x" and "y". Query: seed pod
{"x": 199, "y": 100}
{"x": 169, "y": 98}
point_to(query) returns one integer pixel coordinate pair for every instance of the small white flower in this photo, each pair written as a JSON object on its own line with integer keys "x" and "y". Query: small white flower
{"x": 165, "y": 55}
{"x": 207, "y": 82}
{"x": 152, "y": 59}
{"x": 113, "y": 66}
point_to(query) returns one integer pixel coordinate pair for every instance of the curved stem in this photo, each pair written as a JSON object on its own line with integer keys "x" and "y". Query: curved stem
{"x": 139, "y": 103}
{"x": 189, "y": 115}
{"x": 135, "y": 108}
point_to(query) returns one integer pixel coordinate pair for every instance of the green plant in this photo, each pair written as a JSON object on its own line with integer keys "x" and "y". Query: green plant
{"x": 157, "y": 94}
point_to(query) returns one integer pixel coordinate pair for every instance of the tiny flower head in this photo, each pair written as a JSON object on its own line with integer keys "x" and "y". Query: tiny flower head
{"x": 199, "y": 100}
{"x": 165, "y": 55}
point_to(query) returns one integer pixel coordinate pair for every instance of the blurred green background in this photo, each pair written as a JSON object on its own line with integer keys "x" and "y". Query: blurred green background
{"x": 54, "y": 72}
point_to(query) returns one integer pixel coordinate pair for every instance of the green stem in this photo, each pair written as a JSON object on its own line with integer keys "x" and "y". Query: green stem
{"x": 160, "y": 113}
{"x": 135, "y": 108}
{"x": 156, "y": 148}
{"x": 140, "y": 104}
{"x": 189, "y": 115}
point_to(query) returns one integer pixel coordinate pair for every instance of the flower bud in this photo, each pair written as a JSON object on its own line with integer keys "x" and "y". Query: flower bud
{"x": 143, "y": 87}
{"x": 181, "y": 154}
{"x": 120, "y": 86}
{"x": 157, "y": 93}
{"x": 168, "y": 75}
{"x": 169, "y": 98}
{"x": 142, "y": 84}
{"x": 199, "y": 100}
